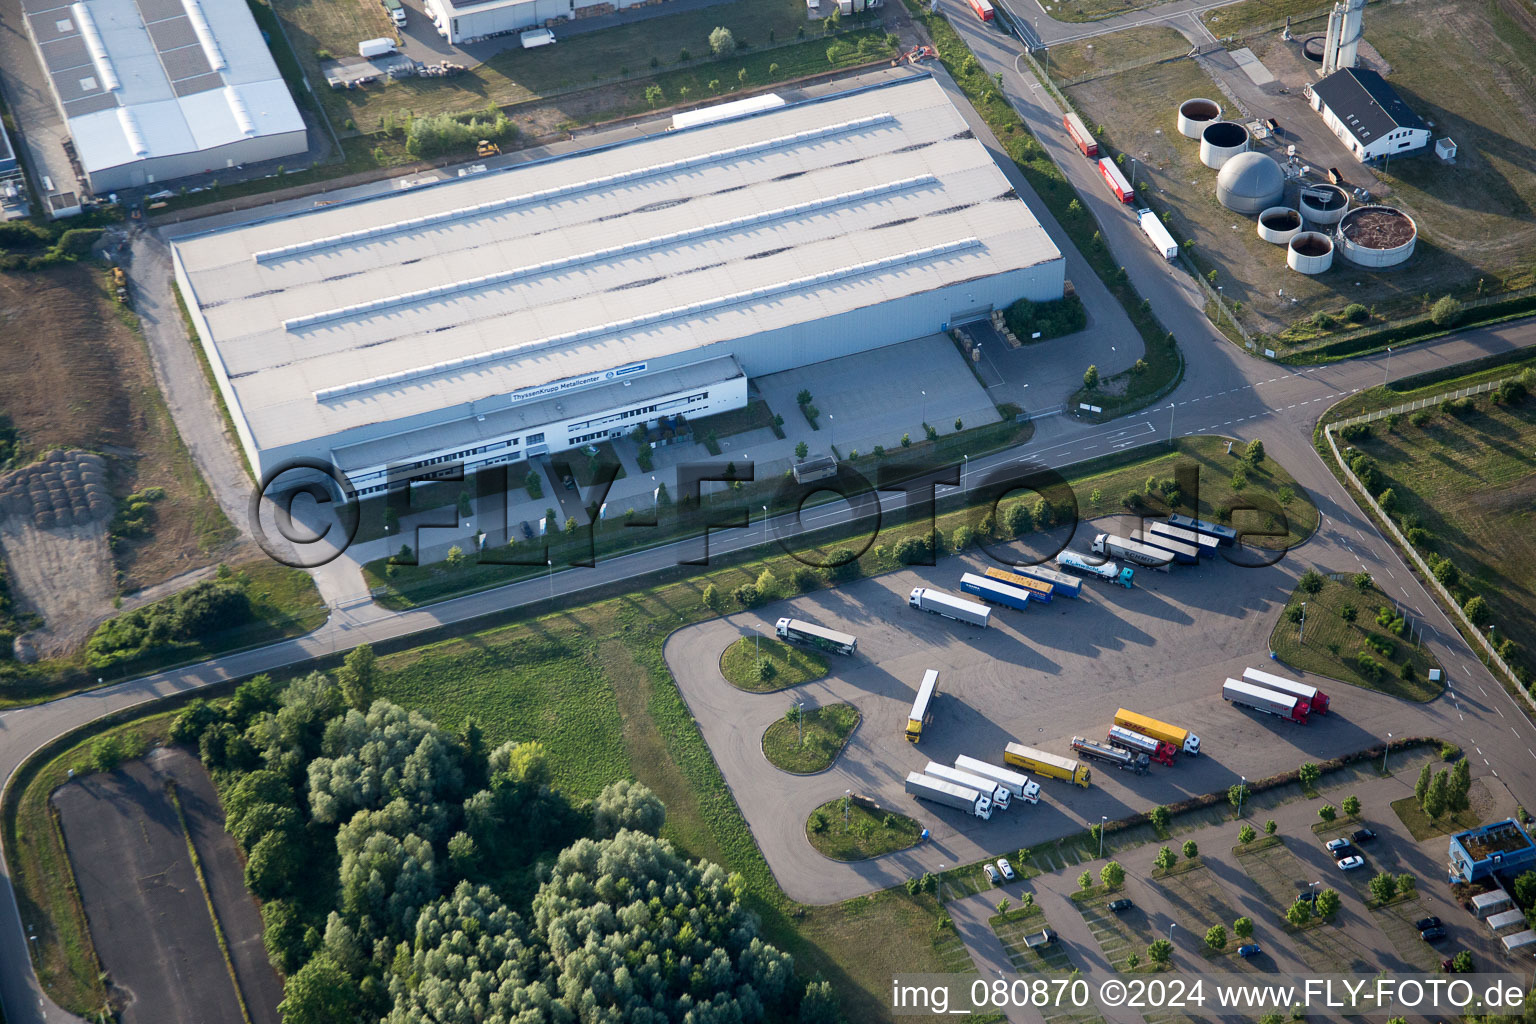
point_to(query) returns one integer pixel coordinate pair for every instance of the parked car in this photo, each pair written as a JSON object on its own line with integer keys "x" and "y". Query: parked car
{"x": 1005, "y": 868}
{"x": 1122, "y": 904}
{"x": 1337, "y": 844}
{"x": 569, "y": 482}
{"x": 1351, "y": 863}
{"x": 1339, "y": 853}
{"x": 1434, "y": 934}
{"x": 1363, "y": 835}
{"x": 1310, "y": 896}
{"x": 1426, "y": 922}
{"x": 527, "y": 531}
{"x": 991, "y": 874}
{"x": 1249, "y": 951}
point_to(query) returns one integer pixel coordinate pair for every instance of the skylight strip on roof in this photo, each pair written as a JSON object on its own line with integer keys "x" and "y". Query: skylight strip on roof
{"x": 98, "y": 49}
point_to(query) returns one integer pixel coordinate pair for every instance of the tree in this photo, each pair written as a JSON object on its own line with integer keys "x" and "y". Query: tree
{"x": 1112, "y": 875}
{"x": 711, "y": 597}
{"x": 1362, "y": 581}
{"x": 1254, "y": 453}
{"x": 721, "y": 41}
{"x": 1478, "y": 611}
{"x": 1299, "y": 913}
{"x": 1191, "y": 851}
{"x": 1246, "y": 835}
{"x": 959, "y": 425}
{"x": 1237, "y": 794}
{"x": 625, "y": 804}
{"x": 1216, "y": 937}
{"x": 1160, "y": 951}
{"x": 802, "y": 450}
{"x": 356, "y": 677}
{"x": 320, "y": 993}
{"x": 1160, "y": 819}
{"x": 1243, "y": 928}
{"x": 1091, "y": 377}
{"x": 1165, "y": 859}
{"x": 1311, "y": 581}
{"x": 1132, "y": 960}
{"x": 1270, "y": 827}
{"x": 1351, "y": 805}
{"x": 1327, "y": 812}
{"x": 1435, "y": 801}
{"x": 1085, "y": 881}
{"x": 1096, "y": 833}
{"x": 1328, "y": 903}
{"x": 653, "y": 95}
{"x": 1308, "y": 774}
{"x": 819, "y": 1004}
{"x": 1383, "y": 887}
{"x": 1461, "y": 963}
{"x": 1459, "y": 789}
{"x": 1406, "y": 883}
{"x": 1018, "y": 519}
{"x": 1421, "y": 788}
{"x": 1445, "y": 312}
{"x": 803, "y": 398}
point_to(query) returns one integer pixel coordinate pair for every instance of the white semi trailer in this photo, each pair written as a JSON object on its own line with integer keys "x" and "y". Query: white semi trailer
{"x": 996, "y": 790}
{"x": 926, "y": 599}
{"x": 950, "y": 794}
{"x": 1020, "y": 785}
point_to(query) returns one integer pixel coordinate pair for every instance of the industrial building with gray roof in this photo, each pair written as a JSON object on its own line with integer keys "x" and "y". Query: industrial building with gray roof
{"x": 507, "y": 314}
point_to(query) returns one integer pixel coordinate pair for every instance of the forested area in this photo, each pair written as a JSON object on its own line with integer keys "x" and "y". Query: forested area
{"x": 408, "y": 875}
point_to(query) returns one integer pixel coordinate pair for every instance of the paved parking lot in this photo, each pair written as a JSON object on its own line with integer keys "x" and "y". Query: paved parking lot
{"x": 1038, "y": 677}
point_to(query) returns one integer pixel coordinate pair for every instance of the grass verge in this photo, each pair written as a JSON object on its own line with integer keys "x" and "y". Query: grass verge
{"x": 1345, "y": 640}
{"x": 213, "y": 915}
{"x": 811, "y": 744}
{"x": 786, "y": 665}
{"x": 1420, "y": 825}
{"x": 1430, "y": 384}
{"x": 868, "y": 833}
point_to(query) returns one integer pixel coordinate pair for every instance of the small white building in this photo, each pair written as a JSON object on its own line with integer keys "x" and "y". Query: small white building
{"x": 1368, "y": 115}
{"x": 1506, "y": 919}
{"x": 461, "y": 21}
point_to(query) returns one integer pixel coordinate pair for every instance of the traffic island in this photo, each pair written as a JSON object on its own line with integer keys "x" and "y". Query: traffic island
{"x": 806, "y": 742}
{"x": 764, "y": 665}
{"x": 853, "y": 828}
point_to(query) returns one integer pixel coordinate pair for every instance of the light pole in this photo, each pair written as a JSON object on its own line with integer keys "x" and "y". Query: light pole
{"x": 1384, "y": 754}
{"x": 800, "y": 721}
{"x": 831, "y": 433}
{"x": 1171, "y": 926}
{"x": 1386, "y": 367}
{"x": 1103, "y": 819}
{"x": 847, "y": 798}
{"x": 964, "y": 469}
{"x": 1242, "y": 791}
{"x": 925, "y": 407}
{"x": 550, "y": 562}
{"x": 1171, "y": 408}
{"x": 1301, "y": 635}
{"x": 765, "y": 524}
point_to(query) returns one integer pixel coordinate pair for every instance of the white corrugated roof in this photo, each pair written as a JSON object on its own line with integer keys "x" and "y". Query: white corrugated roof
{"x": 495, "y": 282}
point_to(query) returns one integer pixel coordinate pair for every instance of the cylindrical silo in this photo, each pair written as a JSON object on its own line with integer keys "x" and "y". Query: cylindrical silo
{"x": 1195, "y": 114}
{"x": 1279, "y": 224}
{"x": 1323, "y": 204}
{"x": 1248, "y": 182}
{"x": 1377, "y": 236}
{"x": 1309, "y": 252}
{"x": 1221, "y": 141}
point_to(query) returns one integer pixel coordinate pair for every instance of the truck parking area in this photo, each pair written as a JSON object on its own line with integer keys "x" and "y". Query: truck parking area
{"x": 1037, "y": 677}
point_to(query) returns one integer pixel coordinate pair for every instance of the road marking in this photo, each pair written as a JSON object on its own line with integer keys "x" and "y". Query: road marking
{"x": 1480, "y": 687}
{"x": 1389, "y": 572}
{"x": 1499, "y": 710}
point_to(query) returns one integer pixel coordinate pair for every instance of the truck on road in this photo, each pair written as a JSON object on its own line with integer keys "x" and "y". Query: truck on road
{"x": 808, "y": 634}
{"x": 1153, "y": 228}
{"x": 1184, "y": 554}
{"x": 1020, "y": 785}
{"x": 1081, "y": 137}
{"x": 950, "y": 795}
{"x": 1131, "y": 551}
{"x": 926, "y": 599}
{"x": 1052, "y": 766}
{"x": 1262, "y": 698}
{"x": 998, "y": 793}
{"x": 1109, "y": 572}
{"x": 1125, "y": 760}
{"x": 922, "y": 707}
{"x": 1315, "y": 699}
{"x": 1160, "y": 751}
{"x": 1225, "y": 535}
{"x": 1147, "y": 726}
{"x": 1060, "y": 583}
{"x": 1201, "y": 542}
{"x": 994, "y": 591}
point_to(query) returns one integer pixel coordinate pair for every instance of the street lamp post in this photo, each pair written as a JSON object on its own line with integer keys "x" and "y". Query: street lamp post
{"x": 800, "y": 721}
{"x": 925, "y": 407}
{"x": 765, "y": 524}
{"x": 1171, "y": 926}
{"x": 550, "y": 562}
{"x": 1242, "y": 791}
{"x": 1171, "y": 407}
{"x": 1386, "y": 367}
{"x": 964, "y": 469}
{"x": 1301, "y": 635}
{"x": 1384, "y": 754}
{"x": 847, "y": 798}
{"x": 1103, "y": 820}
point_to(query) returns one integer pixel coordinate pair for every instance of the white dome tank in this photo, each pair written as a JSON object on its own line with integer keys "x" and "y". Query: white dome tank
{"x": 1377, "y": 236}
{"x": 1249, "y": 182}
{"x": 1309, "y": 252}
{"x": 1195, "y": 114}
{"x": 1221, "y": 141}
{"x": 1279, "y": 224}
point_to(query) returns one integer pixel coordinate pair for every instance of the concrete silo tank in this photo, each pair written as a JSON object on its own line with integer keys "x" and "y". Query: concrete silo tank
{"x": 1323, "y": 204}
{"x": 1279, "y": 224}
{"x": 1249, "y": 182}
{"x": 1221, "y": 141}
{"x": 1377, "y": 236}
{"x": 1195, "y": 114}
{"x": 1309, "y": 252}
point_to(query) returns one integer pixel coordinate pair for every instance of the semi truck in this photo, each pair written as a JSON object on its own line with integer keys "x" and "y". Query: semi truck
{"x": 1080, "y": 135}
{"x": 396, "y": 11}
{"x": 1225, "y": 535}
{"x": 1109, "y": 572}
{"x": 994, "y": 591}
{"x": 982, "y": 9}
{"x": 922, "y": 707}
{"x": 1184, "y": 554}
{"x": 950, "y": 795}
{"x": 808, "y": 634}
{"x": 1115, "y": 180}
{"x": 998, "y": 793}
{"x": 1040, "y": 590}
{"x": 1125, "y": 760}
{"x": 1160, "y": 751}
{"x": 1020, "y": 785}
{"x": 1316, "y": 700}
{"x": 1262, "y": 698}
{"x": 1059, "y": 582}
{"x": 1131, "y": 551}
{"x": 926, "y": 599}
{"x": 1052, "y": 766}
{"x": 1148, "y": 726}
{"x": 1201, "y": 542}
{"x": 1153, "y": 228}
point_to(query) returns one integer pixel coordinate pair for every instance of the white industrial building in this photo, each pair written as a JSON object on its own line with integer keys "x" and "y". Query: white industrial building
{"x": 1366, "y": 113}
{"x": 461, "y": 21}
{"x": 514, "y": 313}
{"x": 153, "y": 90}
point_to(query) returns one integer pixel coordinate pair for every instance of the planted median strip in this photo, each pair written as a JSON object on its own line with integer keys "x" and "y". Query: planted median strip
{"x": 808, "y": 741}
{"x": 847, "y": 829}
{"x": 762, "y": 665}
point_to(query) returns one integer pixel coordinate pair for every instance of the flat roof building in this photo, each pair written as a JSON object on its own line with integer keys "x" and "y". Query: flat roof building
{"x": 464, "y": 21}
{"x": 1501, "y": 847}
{"x": 529, "y": 310}
{"x": 1368, "y": 115}
{"x": 153, "y": 90}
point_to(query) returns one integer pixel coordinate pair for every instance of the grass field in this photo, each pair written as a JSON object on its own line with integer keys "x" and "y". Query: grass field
{"x": 1096, "y": 10}
{"x": 1429, "y": 385}
{"x": 812, "y": 744}
{"x": 1088, "y": 58}
{"x": 790, "y": 665}
{"x": 1331, "y": 645}
{"x": 868, "y": 832}
{"x": 1467, "y": 481}
{"x": 1420, "y": 825}
{"x": 1241, "y": 18}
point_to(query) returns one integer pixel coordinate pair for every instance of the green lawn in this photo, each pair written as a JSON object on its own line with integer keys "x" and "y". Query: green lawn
{"x": 868, "y": 832}
{"x": 1331, "y": 645}
{"x": 1241, "y": 18}
{"x": 788, "y": 665}
{"x": 1433, "y": 383}
{"x": 1421, "y": 827}
{"x": 1088, "y": 57}
{"x": 756, "y": 416}
{"x": 811, "y": 743}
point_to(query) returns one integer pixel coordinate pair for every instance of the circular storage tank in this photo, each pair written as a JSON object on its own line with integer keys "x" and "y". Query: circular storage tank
{"x": 1221, "y": 141}
{"x": 1279, "y": 224}
{"x": 1377, "y": 236}
{"x": 1319, "y": 210}
{"x": 1312, "y": 48}
{"x": 1248, "y": 182}
{"x": 1194, "y": 115}
{"x": 1309, "y": 252}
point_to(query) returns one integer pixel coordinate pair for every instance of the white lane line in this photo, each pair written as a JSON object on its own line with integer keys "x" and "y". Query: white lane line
{"x": 1480, "y": 687}
{"x": 1499, "y": 710}
{"x": 1390, "y": 572}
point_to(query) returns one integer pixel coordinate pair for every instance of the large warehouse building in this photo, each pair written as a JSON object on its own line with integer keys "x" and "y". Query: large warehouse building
{"x": 153, "y": 90}
{"x": 463, "y": 21}
{"x": 505, "y": 315}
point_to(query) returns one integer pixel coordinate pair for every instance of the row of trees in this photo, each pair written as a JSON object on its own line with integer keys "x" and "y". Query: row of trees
{"x": 408, "y": 874}
{"x": 1444, "y": 791}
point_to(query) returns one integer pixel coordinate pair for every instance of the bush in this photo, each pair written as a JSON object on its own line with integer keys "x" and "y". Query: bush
{"x": 1246, "y": 835}
{"x": 1355, "y": 313}
{"x": 1445, "y": 312}
{"x": 437, "y": 134}
{"x": 1327, "y": 812}
{"x": 721, "y": 41}
{"x": 1216, "y": 937}
{"x": 1421, "y": 417}
{"x": 1312, "y": 581}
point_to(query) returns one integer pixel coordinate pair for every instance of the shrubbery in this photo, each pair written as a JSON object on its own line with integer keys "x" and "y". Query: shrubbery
{"x": 1052, "y": 319}
{"x": 184, "y": 620}
{"x": 436, "y": 134}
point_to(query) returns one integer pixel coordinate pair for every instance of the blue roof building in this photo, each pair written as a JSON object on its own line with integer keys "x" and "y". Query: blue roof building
{"x": 1501, "y": 847}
